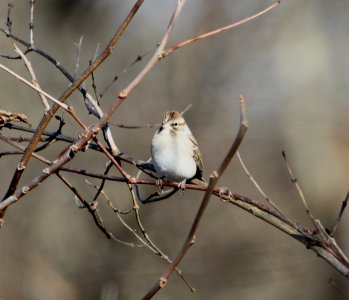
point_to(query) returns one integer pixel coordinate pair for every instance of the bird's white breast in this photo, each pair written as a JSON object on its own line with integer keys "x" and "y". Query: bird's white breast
{"x": 172, "y": 156}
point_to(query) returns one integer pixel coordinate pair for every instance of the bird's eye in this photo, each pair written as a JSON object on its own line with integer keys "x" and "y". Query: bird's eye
{"x": 175, "y": 124}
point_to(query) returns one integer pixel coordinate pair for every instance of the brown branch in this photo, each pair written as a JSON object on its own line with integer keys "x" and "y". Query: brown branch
{"x": 35, "y": 87}
{"x": 13, "y": 195}
{"x": 294, "y": 180}
{"x": 255, "y": 183}
{"x": 155, "y": 248}
{"x": 327, "y": 252}
{"x": 163, "y": 280}
{"x": 217, "y": 31}
{"x": 32, "y": 73}
{"x": 94, "y": 212}
{"x": 241, "y": 133}
{"x": 330, "y": 253}
{"x": 134, "y": 126}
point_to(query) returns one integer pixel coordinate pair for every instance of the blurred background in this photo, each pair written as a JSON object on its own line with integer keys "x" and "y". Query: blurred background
{"x": 291, "y": 65}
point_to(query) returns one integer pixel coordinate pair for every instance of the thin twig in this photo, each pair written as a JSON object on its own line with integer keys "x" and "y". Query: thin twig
{"x": 94, "y": 86}
{"x": 134, "y": 126}
{"x": 255, "y": 183}
{"x": 344, "y": 205}
{"x": 9, "y": 18}
{"x": 91, "y": 210}
{"x": 302, "y": 197}
{"x": 22, "y": 148}
{"x": 78, "y": 53}
{"x": 47, "y": 117}
{"x": 50, "y": 134}
{"x": 241, "y": 133}
{"x": 49, "y": 141}
{"x": 31, "y": 24}
{"x": 67, "y": 108}
{"x": 149, "y": 244}
{"x": 32, "y": 74}
{"x": 100, "y": 189}
{"x": 94, "y": 213}
{"x": 139, "y": 58}
{"x": 337, "y": 288}
{"x": 34, "y": 87}
{"x": 156, "y": 249}
{"x": 157, "y": 196}
{"x": 91, "y": 104}
{"x": 328, "y": 242}
{"x": 217, "y": 31}
{"x": 94, "y": 109}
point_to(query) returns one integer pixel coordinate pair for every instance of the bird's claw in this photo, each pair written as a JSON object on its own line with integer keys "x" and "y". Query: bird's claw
{"x": 181, "y": 185}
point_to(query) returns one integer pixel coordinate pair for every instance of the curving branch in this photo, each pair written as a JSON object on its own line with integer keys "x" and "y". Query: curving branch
{"x": 217, "y": 31}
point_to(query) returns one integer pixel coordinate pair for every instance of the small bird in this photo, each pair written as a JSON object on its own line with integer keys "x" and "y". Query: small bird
{"x": 175, "y": 152}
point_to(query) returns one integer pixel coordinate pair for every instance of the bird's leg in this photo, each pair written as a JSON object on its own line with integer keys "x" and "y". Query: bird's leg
{"x": 159, "y": 183}
{"x": 181, "y": 185}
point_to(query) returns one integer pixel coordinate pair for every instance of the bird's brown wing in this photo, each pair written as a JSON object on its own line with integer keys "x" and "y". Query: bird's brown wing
{"x": 196, "y": 153}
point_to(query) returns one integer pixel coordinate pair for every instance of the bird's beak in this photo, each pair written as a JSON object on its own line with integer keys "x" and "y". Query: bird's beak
{"x": 163, "y": 126}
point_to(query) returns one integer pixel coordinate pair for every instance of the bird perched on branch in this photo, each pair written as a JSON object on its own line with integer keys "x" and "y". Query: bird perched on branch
{"x": 175, "y": 152}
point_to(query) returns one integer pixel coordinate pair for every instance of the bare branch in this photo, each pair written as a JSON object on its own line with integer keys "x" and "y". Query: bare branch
{"x": 32, "y": 74}
{"x": 260, "y": 190}
{"x": 94, "y": 212}
{"x": 163, "y": 280}
{"x": 78, "y": 53}
{"x": 9, "y": 18}
{"x": 241, "y": 133}
{"x": 294, "y": 180}
{"x": 217, "y": 31}
{"x": 31, "y": 24}
{"x": 329, "y": 252}
{"x": 47, "y": 117}
{"x": 134, "y": 126}
{"x": 34, "y": 87}
{"x": 344, "y": 205}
